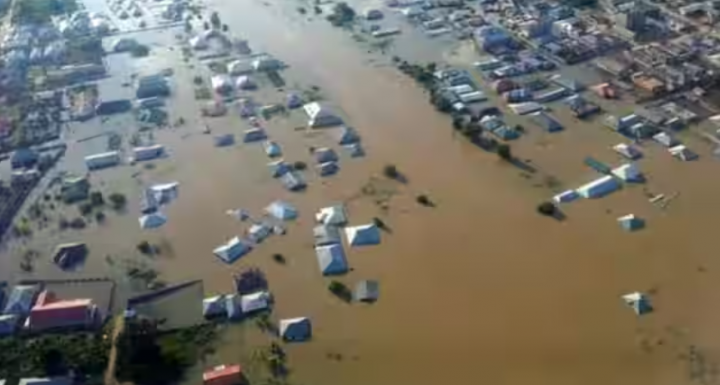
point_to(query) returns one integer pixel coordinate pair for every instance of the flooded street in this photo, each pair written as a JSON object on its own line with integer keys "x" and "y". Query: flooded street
{"x": 480, "y": 288}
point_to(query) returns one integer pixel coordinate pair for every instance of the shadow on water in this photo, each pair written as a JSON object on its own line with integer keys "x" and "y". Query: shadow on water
{"x": 524, "y": 166}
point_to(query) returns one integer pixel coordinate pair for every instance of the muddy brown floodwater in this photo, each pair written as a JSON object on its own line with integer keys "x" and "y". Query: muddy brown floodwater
{"x": 479, "y": 289}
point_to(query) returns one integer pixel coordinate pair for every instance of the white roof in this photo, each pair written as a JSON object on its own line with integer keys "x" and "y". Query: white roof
{"x": 565, "y": 196}
{"x": 664, "y": 139}
{"x": 221, "y": 82}
{"x": 238, "y": 67}
{"x": 282, "y": 210}
{"x": 363, "y": 235}
{"x": 331, "y": 259}
{"x": 232, "y": 250}
{"x": 526, "y": 107}
{"x": 152, "y": 221}
{"x": 628, "y": 172}
{"x": 332, "y": 215}
{"x": 166, "y": 192}
{"x": 682, "y": 152}
{"x": 272, "y": 149}
{"x": 597, "y": 187}
{"x": 321, "y": 115}
{"x": 254, "y": 302}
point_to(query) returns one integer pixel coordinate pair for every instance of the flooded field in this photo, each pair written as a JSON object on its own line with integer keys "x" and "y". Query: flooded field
{"x": 479, "y": 288}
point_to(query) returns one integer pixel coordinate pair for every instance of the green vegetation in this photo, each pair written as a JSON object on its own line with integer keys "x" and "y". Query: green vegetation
{"x": 85, "y": 208}
{"x": 547, "y": 209}
{"x": 342, "y": 15}
{"x": 96, "y": 199}
{"x": 55, "y": 354}
{"x": 40, "y": 11}
{"x": 424, "y": 200}
{"x": 144, "y": 247}
{"x": 118, "y": 201}
{"x": 279, "y": 258}
{"x": 140, "y": 50}
{"x": 504, "y": 152}
{"x": 391, "y": 172}
{"x": 340, "y": 290}
{"x": 146, "y": 356}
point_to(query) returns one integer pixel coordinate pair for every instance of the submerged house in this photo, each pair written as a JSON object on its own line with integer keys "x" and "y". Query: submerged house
{"x": 295, "y": 329}
{"x": 232, "y": 250}
{"x": 599, "y": 187}
{"x": 50, "y": 312}
{"x": 224, "y": 375}
{"x": 21, "y": 300}
{"x": 639, "y": 302}
{"x": 321, "y": 116}
{"x": 628, "y": 172}
{"x": 363, "y": 235}
{"x": 331, "y": 259}
{"x": 367, "y": 291}
{"x": 332, "y": 215}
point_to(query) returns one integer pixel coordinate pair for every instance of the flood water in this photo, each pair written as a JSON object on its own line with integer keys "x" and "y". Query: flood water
{"x": 479, "y": 289}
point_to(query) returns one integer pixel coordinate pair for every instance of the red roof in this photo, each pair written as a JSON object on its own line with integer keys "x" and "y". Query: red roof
{"x": 223, "y": 375}
{"x": 50, "y": 312}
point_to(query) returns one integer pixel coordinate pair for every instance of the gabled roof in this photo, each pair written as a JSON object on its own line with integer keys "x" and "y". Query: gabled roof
{"x": 348, "y": 136}
{"x": 279, "y": 168}
{"x": 295, "y": 329}
{"x": 367, "y": 291}
{"x": 282, "y": 210}
{"x": 272, "y": 149}
{"x": 639, "y": 302}
{"x": 363, "y": 235}
{"x": 326, "y": 234}
{"x": 628, "y": 172}
{"x": 331, "y": 259}
{"x": 293, "y": 181}
{"x": 232, "y": 250}
{"x": 332, "y": 215}
{"x": 254, "y": 302}
{"x": 223, "y": 375}
{"x": 254, "y": 135}
{"x": 21, "y": 299}
{"x": 214, "y": 306}
{"x": 328, "y": 168}
{"x": 258, "y": 232}
{"x": 152, "y": 221}
{"x": 324, "y": 155}
{"x": 630, "y": 222}
{"x": 321, "y": 115}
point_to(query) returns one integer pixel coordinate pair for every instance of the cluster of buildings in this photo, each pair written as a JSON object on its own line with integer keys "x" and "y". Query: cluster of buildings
{"x": 33, "y": 309}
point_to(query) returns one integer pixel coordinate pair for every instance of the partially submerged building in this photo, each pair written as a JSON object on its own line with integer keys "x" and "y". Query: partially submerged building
{"x": 21, "y": 300}
{"x": 50, "y": 312}
{"x": 599, "y": 187}
{"x": 224, "y": 375}
{"x": 232, "y": 250}
{"x": 367, "y": 291}
{"x": 295, "y": 329}
{"x": 332, "y": 215}
{"x": 103, "y": 160}
{"x": 331, "y": 259}
{"x": 363, "y": 235}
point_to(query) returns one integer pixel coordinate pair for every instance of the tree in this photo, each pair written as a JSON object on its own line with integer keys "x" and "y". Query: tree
{"x": 85, "y": 208}
{"x": 458, "y": 122}
{"x": 391, "y": 171}
{"x": 206, "y": 26}
{"x": 118, "y": 201}
{"x": 96, "y": 198}
{"x": 215, "y": 20}
{"x": 547, "y": 209}
{"x": 340, "y": 290}
{"x": 504, "y": 151}
{"x": 225, "y": 28}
